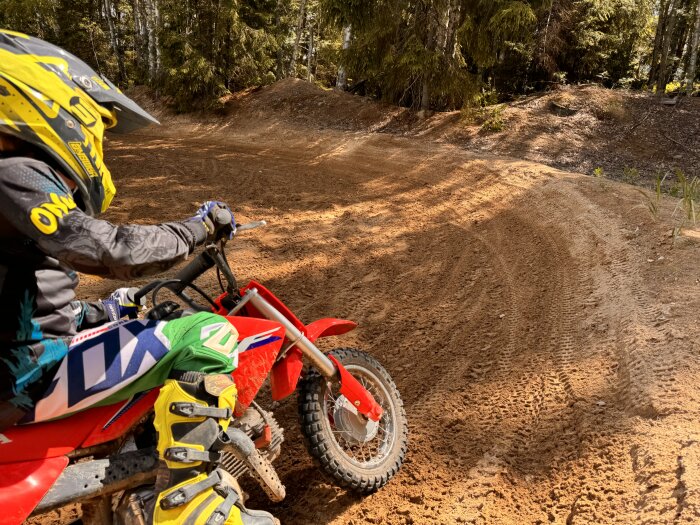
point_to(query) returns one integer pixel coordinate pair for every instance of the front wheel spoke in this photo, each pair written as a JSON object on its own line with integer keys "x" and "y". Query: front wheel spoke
{"x": 351, "y": 445}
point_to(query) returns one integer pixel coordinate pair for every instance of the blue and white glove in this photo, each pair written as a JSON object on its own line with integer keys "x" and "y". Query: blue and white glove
{"x": 121, "y": 304}
{"x": 208, "y": 214}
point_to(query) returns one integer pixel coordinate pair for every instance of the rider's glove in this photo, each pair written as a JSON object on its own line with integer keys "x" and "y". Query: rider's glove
{"x": 121, "y": 304}
{"x": 207, "y": 215}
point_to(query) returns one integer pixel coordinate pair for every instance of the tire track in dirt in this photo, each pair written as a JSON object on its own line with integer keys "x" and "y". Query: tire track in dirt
{"x": 643, "y": 388}
{"x": 539, "y": 393}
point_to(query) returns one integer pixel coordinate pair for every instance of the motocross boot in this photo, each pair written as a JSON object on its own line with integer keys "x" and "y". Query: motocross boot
{"x": 190, "y": 418}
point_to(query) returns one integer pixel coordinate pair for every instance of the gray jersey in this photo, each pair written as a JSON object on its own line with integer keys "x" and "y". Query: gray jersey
{"x": 44, "y": 239}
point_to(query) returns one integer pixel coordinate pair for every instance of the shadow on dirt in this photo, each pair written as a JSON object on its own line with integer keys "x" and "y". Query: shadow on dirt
{"x": 466, "y": 283}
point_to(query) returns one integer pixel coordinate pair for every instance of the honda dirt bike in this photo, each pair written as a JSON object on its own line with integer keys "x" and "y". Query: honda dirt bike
{"x": 104, "y": 458}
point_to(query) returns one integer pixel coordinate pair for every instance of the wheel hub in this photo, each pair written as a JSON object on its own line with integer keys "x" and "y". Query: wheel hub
{"x": 355, "y": 426}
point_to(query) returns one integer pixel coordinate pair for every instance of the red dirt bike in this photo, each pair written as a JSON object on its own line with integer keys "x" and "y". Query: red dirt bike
{"x": 104, "y": 458}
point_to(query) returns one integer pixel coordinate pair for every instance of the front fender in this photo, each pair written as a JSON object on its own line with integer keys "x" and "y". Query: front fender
{"x": 286, "y": 372}
{"x": 328, "y": 327}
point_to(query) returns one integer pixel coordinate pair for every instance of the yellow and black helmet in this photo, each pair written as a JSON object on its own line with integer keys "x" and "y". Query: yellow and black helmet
{"x": 56, "y": 102}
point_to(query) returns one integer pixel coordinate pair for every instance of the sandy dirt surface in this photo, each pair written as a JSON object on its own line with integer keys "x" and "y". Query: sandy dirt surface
{"x": 541, "y": 325}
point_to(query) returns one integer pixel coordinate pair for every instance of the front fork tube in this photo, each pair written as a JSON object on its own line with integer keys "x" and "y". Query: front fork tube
{"x": 329, "y": 368}
{"x": 322, "y": 363}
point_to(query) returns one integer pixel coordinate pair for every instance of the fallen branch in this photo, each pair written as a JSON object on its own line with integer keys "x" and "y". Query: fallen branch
{"x": 680, "y": 144}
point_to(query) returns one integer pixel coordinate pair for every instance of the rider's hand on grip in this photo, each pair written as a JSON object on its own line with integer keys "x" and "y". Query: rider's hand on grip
{"x": 122, "y": 304}
{"x": 218, "y": 219}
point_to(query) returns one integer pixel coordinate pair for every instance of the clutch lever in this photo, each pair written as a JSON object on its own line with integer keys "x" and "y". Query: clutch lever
{"x": 142, "y": 292}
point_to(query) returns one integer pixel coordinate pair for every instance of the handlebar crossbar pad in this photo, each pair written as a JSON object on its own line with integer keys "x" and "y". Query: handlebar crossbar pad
{"x": 189, "y": 273}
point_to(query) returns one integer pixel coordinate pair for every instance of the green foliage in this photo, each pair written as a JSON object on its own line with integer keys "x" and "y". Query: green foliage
{"x": 209, "y": 49}
{"x": 429, "y": 54}
{"x": 494, "y": 121}
{"x": 686, "y": 190}
{"x": 653, "y": 202}
{"x": 689, "y": 195}
{"x": 599, "y": 173}
{"x": 36, "y": 17}
{"x": 630, "y": 175}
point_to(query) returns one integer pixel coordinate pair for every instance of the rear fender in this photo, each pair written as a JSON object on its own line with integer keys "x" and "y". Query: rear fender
{"x": 54, "y": 438}
{"x": 22, "y": 485}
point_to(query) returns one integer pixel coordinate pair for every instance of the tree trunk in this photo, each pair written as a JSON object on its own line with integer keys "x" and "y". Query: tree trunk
{"x": 151, "y": 19}
{"x": 342, "y": 82}
{"x": 279, "y": 58}
{"x": 658, "y": 40}
{"x": 427, "y": 75}
{"x": 425, "y": 95}
{"x": 455, "y": 20}
{"x": 140, "y": 36}
{"x": 694, "y": 43}
{"x": 297, "y": 38}
{"x": 310, "y": 52}
{"x": 662, "y": 75}
{"x": 442, "y": 25}
{"x": 682, "y": 40}
{"x": 157, "y": 24}
{"x": 113, "y": 39}
{"x": 546, "y": 28}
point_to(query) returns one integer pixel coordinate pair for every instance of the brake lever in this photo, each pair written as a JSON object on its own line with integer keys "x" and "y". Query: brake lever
{"x": 250, "y": 226}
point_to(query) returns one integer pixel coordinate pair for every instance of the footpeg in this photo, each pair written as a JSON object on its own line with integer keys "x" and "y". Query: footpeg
{"x": 234, "y": 445}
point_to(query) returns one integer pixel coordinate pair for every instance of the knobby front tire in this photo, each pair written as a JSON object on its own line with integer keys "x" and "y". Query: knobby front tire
{"x": 359, "y": 455}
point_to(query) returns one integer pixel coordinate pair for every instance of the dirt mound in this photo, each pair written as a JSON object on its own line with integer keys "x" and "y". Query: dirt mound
{"x": 623, "y": 135}
{"x": 301, "y": 102}
{"x": 290, "y": 100}
{"x": 630, "y": 136}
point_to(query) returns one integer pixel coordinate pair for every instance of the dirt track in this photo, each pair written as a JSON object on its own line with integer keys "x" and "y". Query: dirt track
{"x": 541, "y": 326}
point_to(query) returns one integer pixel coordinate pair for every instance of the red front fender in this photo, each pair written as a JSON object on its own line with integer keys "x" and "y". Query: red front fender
{"x": 328, "y": 327}
{"x": 286, "y": 373}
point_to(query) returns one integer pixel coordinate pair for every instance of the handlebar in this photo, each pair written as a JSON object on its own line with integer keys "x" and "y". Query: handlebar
{"x": 204, "y": 262}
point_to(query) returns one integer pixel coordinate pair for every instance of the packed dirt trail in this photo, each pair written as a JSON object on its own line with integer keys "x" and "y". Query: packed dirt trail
{"x": 541, "y": 325}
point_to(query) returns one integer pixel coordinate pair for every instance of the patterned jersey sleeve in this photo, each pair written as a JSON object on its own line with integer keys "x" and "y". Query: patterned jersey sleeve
{"x": 36, "y": 201}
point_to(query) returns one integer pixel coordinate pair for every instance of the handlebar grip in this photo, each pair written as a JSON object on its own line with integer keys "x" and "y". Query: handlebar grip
{"x": 189, "y": 273}
{"x": 223, "y": 217}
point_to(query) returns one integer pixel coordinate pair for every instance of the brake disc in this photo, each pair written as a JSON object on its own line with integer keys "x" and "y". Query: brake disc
{"x": 354, "y": 426}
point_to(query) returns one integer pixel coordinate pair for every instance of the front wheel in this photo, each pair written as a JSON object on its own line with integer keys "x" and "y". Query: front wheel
{"x": 358, "y": 453}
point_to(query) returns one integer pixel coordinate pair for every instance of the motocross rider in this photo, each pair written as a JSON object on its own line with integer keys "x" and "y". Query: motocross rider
{"x": 59, "y": 355}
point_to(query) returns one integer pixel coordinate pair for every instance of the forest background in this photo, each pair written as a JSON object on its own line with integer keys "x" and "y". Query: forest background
{"x": 425, "y": 54}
